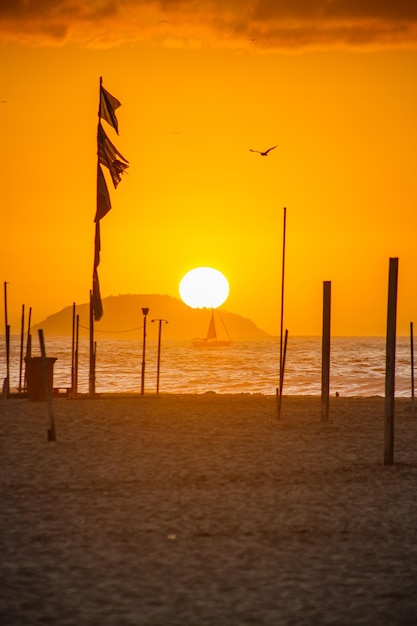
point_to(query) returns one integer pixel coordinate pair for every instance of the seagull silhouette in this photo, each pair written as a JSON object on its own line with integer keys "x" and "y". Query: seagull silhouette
{"x": 265, "y": 153}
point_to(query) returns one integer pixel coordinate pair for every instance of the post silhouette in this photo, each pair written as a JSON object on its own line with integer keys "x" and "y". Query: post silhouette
{"x": 22, "y": 337}
{"x": 390, "y": 362}
{"x": 145, "y": 312}
{"x": 161, "y": 321}
{"x": 325, "y": 351}
{"x": 28, "y": 346}
{"x": 412, "y": 368}
{"x": 48, "y": 390}
{"x": 92, "y": 370}
{"x": 6, "y": 383}
{"x": 281, "y": 355}
{"x": 77, "y": 334}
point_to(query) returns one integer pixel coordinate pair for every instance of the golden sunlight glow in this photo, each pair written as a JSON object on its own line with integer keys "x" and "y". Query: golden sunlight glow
{"x": 204, "y": 287}
{"x": 215, "y": 74}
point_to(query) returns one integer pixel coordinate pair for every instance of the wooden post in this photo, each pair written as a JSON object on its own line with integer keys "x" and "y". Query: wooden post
{"x": 73, "y": 350}
{"x": 158, "y": 367}
{"x": 412, "y": 368}
{"x": 390, "y": 363}
{"x": 325, "y": 363}
{"x": 48, "y": 390}
{"x": 28, "y": 345}
{"x": 92, "y": 375}
{"x": 6, "y": 383}
{"x": 281, "y": 365}
{"x": 145, "y": 311}
{"x": 22, "y": 334}
{"x": 77, "y": 333}
{"x": 281, "y": 376}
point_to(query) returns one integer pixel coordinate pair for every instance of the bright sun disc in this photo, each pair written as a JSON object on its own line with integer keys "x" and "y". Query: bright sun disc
{"x": 204, "y": 287}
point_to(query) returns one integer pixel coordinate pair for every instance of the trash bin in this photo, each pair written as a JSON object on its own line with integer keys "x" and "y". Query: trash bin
{"x": 34, "y": 376}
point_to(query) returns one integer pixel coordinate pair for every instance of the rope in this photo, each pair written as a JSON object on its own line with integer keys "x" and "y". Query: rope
{"x": 131, "y": 330}
{"x": 224, "y": 326}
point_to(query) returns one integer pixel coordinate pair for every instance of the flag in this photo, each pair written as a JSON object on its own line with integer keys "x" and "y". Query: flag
{"x": 108, "y": 105}
{"x": 103, "y": 198}
{"x": 97, "y": 246}
{"x": 109, "y": 156}
{"x": 96, "y": 298}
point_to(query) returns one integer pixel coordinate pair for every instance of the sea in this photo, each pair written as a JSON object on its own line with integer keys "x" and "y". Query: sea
{"x": 357, "y": 366}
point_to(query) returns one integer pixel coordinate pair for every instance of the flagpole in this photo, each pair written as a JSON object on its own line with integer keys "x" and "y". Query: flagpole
{"x": 92, "y": 374}
{"x": 116, "y": 163}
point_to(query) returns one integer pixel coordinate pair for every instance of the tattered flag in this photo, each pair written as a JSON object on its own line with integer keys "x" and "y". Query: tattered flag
{"x": 108, "y": 105}
{"x": 103, "y": 197}
{"x": 110, "y": 157}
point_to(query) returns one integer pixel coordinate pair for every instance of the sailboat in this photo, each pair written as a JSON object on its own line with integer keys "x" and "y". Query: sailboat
{"x": 211, "y": 340}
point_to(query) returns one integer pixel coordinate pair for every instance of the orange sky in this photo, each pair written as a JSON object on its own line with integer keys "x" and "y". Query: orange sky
{"x": 333, "y": 84}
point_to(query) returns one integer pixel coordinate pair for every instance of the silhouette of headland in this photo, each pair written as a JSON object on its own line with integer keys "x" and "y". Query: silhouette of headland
{"x": 123, "y": 319}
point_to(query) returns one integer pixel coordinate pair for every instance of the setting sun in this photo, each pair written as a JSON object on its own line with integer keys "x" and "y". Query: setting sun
{"x": 204, "y": 287}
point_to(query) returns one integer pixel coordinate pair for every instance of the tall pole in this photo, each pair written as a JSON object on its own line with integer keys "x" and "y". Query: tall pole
{"x": 6, "y": 385}
{"x": 325, "y": 359}
{"x": 159, "y": 350}
{"x": 145, "y": 312}
{"x": 22, "y": 336}
{"x": 390, "y": 363}
{"x": 92, "y": 375}
{"x": 77, "y": 332}
{"x": 73, "y": 349}
{"x": 281, "y": 355}
{"x": 412, "y": 368}
{"x": 28, "y": 345}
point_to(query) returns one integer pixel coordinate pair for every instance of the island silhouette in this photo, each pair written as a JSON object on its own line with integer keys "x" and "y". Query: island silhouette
{"x": 123, "y": 319}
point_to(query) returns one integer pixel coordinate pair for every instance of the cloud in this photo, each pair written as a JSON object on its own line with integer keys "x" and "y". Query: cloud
{"x": 262, "y": 24}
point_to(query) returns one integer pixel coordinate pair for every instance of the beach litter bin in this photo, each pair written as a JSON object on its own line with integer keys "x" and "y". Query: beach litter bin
{"x": 34, "y": 376}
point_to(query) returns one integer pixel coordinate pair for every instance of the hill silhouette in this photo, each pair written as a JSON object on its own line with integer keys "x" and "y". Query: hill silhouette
{"x": 123, "y": 319}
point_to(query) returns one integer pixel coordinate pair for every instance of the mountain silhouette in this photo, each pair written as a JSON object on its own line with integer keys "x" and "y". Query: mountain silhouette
{"x": 123, "y": 319}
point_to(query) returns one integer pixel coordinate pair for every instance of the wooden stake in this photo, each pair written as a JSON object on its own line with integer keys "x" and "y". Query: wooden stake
{"x": 92, "y": 376}
{"x": 390, "y": 362}
{"x": 77, "y": 333}
{"x": 281, "y": 376}
{"x": 281, "y": 365}
{"x": 325, "y": 362}
{"x": 48, "y": 390}
{"x": 6, "y": 383}
{"x": 412, "y": 368}
{"x": 73, "y": 350}
{"x": 22, "y": 334}
{"x": 28, "y": 346}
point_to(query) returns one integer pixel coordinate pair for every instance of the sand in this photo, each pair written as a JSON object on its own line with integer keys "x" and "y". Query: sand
{"x": 207, "y": 511}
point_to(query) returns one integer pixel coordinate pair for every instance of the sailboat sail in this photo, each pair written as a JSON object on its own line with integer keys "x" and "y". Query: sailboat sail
{"x": 211, "y": 333}
{"x": 211, "y": 339}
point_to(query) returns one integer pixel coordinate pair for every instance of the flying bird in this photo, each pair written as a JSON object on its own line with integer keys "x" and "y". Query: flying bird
{"x": 265, "y": 153}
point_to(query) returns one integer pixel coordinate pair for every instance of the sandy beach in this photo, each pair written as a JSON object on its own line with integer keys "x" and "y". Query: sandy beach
{"x": 205, "y": 510}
